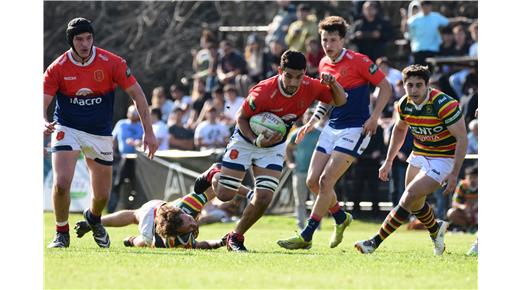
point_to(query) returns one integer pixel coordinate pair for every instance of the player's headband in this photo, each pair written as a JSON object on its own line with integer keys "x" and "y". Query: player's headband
{"x": 77, "y": 26}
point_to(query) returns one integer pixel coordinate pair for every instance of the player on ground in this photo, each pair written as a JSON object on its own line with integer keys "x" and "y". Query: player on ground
{"x": 287, "y": 95}
{"x": 440, "y": 142}
{"x": 83, "y": 79}
{"x": 172, "y": 224}
{"x": 347, "y": 134}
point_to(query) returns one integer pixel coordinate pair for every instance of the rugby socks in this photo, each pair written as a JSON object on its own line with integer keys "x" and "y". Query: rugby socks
{"x": 427, "y": 218}
{"x": 195, "y": 201}
{"x": 393, "y": 221}
{"x": 312, "y": 224}
{"x": 62, "y": 227}
{"x": 338, "y": 213}
{"x": 92, "y": 218}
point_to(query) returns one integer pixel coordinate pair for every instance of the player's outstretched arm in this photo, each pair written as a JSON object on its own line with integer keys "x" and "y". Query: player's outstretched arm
{"x": 458, "y": 130}
{"x": 149, "y": 141}
{"x": 385, "y": 92}
{"x": 209, "y": 245}
{"x": 396, "y": 142}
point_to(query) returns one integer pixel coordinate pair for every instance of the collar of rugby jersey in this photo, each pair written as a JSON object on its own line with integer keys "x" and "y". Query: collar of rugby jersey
{"x": 419, "y": 107}
{"x": 340, "y": 57}
{"x": 89, "y": 61}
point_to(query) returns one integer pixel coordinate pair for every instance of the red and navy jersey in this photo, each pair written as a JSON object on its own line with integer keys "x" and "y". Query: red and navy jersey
{"x": 268, "y": 96}
{"x": 85, "y": 92}
{"x": 429, "y": 123}
{"x": 354, "y": 72}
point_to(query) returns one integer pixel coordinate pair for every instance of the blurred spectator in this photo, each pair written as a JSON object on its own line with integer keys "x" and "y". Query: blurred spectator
{"x": 473, "y": 137}
{"x": 298, "y": 159}
{"x": 473, "y": 29}
{"x": 205, "y": 60}
{"x": 276, "y": 50}
{"x": 302, "y": 29}
{"x": 231, "y": 66}
{"x": 314, "y": 53}
{"x": 127, "y": 133}
{"x": 365, "y": 173}
{"x": 413, "y": 8}
{"x": 257, "y": 59}
{"x": 278, "y": 27}
{"x": 448, "y": 42}
{"x": 159, "y": 128}
{"x": 423, "y": 31}
{"x": 211, "y": 133}
{"x": 461, "y": 47}
{"x": 392, "y": 75}
{"x": 233, "y": 101}
{"x": 180, "y": 100}
{"x": 457, "y": 79}
{"x": 218, "y": 102}
{"x": 464, "y": 207}
{"x": 160, "y": 100}
{"x": 199, "y": 96}
{"x": 469, "y": 101}
{"x": 180, "y": 137}
{"x": 371, "y": 32}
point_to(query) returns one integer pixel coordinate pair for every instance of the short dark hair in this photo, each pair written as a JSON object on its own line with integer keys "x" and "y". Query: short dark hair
{"x": 303, "y": 7}
{"x": 157, "y": 112}
{"x": 334, "y": 23}
{"x": 472, "y": 170}
{"x": 293, "y": 60}
{"x": 217, "y": 90}
{"x": 416, "y": 70}
{"x": 169, "y": 220}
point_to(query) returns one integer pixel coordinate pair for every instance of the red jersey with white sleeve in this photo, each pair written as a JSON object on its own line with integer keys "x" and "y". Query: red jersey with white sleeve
{"x": 85, "y": 92}
{"x": 354, "y": 72}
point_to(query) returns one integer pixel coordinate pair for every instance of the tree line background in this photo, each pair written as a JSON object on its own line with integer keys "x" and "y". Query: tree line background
{"x": 156, "y": 38}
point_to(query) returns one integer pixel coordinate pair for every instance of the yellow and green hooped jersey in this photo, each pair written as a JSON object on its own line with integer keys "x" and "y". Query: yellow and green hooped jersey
{"x": 428, "y": 123}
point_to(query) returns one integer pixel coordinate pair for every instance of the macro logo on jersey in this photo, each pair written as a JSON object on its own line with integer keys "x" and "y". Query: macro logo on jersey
{"x": 85, "y": 92}
{"x": 429, "y": 124}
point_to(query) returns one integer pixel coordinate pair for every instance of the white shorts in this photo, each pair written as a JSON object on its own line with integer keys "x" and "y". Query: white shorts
{"x": 348, "y": 140}
{"x": 95, "y": 147}
{"x": 240, "y": 154}
{"x": 435, "y": 167}
{"x": 145, "y": 216}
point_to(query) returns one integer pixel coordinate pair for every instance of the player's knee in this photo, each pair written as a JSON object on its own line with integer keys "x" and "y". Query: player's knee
{"x": 265, "y": 187}
{"x": 62, "y": 185}
{"x": 312, "y": 184}
{"x": 227, "y": 187}
{"x": 409, "y": 199}
{"x": 326, "y": 184}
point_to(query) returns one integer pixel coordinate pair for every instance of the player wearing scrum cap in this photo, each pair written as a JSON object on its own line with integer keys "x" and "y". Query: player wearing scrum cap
{"x": 83, "y": 80}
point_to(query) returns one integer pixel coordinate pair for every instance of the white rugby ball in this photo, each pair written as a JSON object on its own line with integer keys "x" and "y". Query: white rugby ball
{"x": 267, "y": 123}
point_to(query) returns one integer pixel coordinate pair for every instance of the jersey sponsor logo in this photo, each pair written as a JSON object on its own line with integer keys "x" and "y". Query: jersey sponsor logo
{"x": 86, "y": 102}
{"x": 305, "y": 82}
{"x": 408, "y": 109}
{"x": 128, "y": 72}
{"x": 233, "y": 154}
{"x": 99, "y": 75}
{"x": 348, "y": 140}
{"x": 69, "y": 78}
{"x": 436, "y": 172}
{"x": 84, "y": 92}
{"x": 442, "y": 100}
{"x": 426, "y": 130}
{"x": 103, "y": 57}
{"x": 105, "y": 153}
{"x": 251, "y": 103}
{"x": 426, "y": 138}
{"x": 60, "y": 135}
{"x": 372, "y": 69}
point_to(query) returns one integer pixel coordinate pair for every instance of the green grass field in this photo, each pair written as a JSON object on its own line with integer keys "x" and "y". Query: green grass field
{"x": 404, "y": 260}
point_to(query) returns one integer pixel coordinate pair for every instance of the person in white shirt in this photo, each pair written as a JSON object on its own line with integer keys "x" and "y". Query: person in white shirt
{"x": 159, "y": 128}
{"x": 233, "y": 101}
{"x": 210, "y": 133}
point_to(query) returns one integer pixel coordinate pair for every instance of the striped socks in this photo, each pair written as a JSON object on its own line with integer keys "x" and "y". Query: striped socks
{"x": 393, "y": 221}
{"x": 426, "y": 216}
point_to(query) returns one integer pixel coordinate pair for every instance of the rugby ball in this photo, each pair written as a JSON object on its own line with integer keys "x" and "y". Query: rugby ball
{"x": 267, "y": 123}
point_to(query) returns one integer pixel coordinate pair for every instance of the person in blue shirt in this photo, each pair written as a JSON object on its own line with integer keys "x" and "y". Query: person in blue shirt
{"x": 127, "y": 133}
